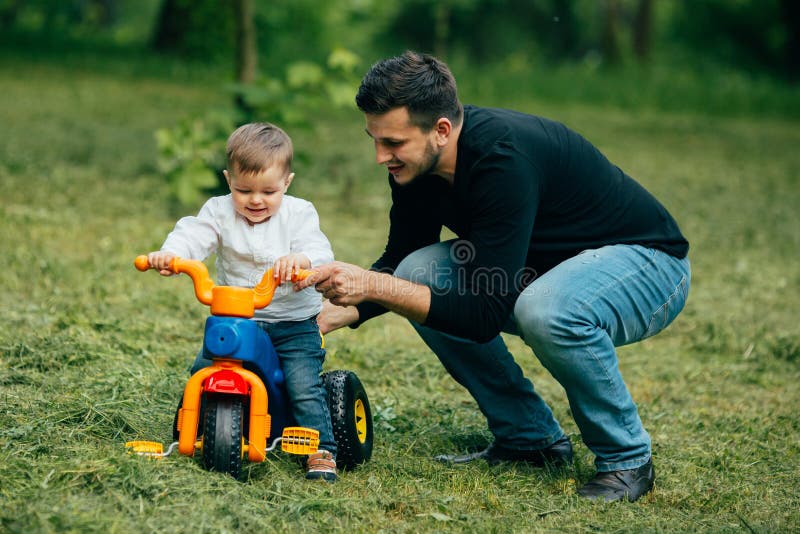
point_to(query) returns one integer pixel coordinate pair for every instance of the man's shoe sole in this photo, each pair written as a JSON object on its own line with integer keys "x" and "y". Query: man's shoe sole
{"x": 556, "y": 455}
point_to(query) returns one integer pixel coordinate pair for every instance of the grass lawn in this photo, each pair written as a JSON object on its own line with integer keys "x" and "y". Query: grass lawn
{"x": 93, "y": 353}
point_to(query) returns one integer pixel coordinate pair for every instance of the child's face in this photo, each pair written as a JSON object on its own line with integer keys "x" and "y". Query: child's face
{"x": 258, "y": 195}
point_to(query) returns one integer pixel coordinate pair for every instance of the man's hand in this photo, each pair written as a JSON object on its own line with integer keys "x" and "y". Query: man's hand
{"x": 344, "y": 284}
{"x": 334, "y": 317}
{"x": 341, "y": 283}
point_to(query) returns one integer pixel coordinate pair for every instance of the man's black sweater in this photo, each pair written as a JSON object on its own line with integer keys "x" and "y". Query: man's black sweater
{"x": 528, "y": 193}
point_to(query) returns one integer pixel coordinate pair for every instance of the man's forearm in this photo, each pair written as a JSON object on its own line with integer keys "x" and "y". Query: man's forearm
{"x": 412, "y": 301}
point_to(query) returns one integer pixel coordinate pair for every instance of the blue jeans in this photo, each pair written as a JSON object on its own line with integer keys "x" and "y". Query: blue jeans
{"x": 299, "y": 348}
{"x": 572, "y": 317}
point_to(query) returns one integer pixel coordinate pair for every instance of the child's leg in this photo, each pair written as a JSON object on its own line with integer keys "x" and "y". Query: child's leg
{"x": 299, "y": 348}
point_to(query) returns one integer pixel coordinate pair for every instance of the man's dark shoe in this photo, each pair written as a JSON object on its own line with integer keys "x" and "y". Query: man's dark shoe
{"x": 629, "y": 484}
{"x": 557, "y": 454}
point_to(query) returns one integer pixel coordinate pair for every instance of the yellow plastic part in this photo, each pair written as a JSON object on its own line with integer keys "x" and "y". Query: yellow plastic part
{"x": 361, "y": 421}
{"x": 299, "y": 440}
{"x": 145, "y": 448}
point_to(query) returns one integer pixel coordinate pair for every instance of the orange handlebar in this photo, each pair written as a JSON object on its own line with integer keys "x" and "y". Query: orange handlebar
{"x": 225, "y": 300}
{"x": 265, "y": 289}
{"x": 197, "y": 270}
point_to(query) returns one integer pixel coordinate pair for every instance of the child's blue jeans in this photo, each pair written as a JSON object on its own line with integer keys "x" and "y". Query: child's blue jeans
{"x": 299, "y": 348}
{"x": 572, "y": 317}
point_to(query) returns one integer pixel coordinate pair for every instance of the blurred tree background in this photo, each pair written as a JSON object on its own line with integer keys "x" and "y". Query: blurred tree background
{"x": 762, "y": 35}
{"x": 292, "y": 61}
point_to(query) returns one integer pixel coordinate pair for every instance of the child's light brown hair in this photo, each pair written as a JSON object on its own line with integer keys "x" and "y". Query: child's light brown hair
{"x": 258, "y": 146}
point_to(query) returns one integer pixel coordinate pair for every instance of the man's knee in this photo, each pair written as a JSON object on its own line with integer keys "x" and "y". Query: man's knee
{"x": 424, "y": 266}
{"x": 534, "y": 323}
{"x": 543, "y": 317}
{"x": 407, "y": 267}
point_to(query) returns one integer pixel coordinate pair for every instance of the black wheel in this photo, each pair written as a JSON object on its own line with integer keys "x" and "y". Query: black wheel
{"x": 222, "y": 436}
{"x": 351, "y": 418}
{"x": 175, "y": 431}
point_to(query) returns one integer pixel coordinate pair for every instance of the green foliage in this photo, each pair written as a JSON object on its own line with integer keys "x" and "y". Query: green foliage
{"x": 672, "y": 82}
{"x": 487, "y": 29}
{"x": 195, "y": 28}
{"x": 58, "y": 22}
{"x": 758, "y": 35}
{"x": 307, "y": 91}
{"x": 65, "y": 16}
{"x": 285, "y": 29}
{"x": 288, "y": 30}
{"x": 192, "y": 153}
{"x": 749, "y": 33}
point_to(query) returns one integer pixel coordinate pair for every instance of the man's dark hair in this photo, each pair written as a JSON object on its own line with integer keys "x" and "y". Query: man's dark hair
{"x": 420, "y": 82}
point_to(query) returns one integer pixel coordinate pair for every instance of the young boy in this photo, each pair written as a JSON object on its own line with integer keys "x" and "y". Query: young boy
{"x": 255, "y": 227}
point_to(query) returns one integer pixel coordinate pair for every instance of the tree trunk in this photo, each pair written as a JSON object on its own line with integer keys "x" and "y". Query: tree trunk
{"x": 196, "y": 28}
{"x": 610, "y": 38}
{"x": 564, "y": 37}
{"x": 441, "y": 29}
{"x": 8, "y": 14}
{"x": 643, "y": 30}
{"x": 246, "y": 53}
{"x": 790, "y": 16}
{"x": 169, "y": 30}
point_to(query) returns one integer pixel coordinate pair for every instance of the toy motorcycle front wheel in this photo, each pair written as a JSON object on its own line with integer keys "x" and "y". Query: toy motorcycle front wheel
{"x": 351, "y": 418}
{"x": 222, "y": 434}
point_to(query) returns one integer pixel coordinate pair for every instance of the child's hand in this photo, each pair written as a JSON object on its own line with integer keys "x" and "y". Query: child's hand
{"x": 287, "y": 265}
{"x": 160, "y": 260}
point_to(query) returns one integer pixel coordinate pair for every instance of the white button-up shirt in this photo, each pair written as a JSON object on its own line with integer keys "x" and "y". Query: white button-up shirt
{"x": 245, "y": 251}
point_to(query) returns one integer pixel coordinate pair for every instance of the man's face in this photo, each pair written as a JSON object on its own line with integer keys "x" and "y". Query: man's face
{"x": 405, "y": 150}
{"x": 258, "y": 195}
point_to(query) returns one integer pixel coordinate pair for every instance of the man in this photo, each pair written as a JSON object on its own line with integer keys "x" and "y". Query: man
{"x": 556, "y": 245}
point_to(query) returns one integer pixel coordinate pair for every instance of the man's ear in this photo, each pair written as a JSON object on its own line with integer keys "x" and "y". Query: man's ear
{"x": 288, "y": 181}
{"x": 227, "y": 177}
{"x": 443, "y": 129}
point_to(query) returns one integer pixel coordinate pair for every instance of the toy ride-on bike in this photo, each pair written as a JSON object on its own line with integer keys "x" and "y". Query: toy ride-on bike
{"x": 239, "y": 404}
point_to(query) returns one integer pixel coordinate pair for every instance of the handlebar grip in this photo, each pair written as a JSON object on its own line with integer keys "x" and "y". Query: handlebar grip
{"x": 141, "y": 263}
{"x": 301, "y": 274}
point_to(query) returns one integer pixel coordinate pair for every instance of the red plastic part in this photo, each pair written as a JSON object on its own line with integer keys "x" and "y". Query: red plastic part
{"x": 227, "y": 381}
